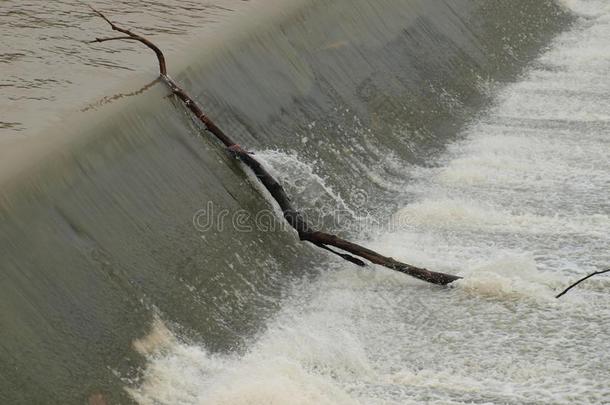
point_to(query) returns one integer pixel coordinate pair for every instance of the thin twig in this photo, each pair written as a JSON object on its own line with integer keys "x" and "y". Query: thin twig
{"x": 344, "y": 256}
{"x": 580, "y": 281}
{"x": 111, "y": 39}
{"x": 110, "y": 99}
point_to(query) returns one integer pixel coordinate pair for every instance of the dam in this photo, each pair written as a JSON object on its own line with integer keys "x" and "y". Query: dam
{"x": 466, "y": 136}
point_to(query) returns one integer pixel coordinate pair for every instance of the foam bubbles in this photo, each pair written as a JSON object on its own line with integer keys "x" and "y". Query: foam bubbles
{"x": 511, "y": 277}
{"x": 519, "y": 207}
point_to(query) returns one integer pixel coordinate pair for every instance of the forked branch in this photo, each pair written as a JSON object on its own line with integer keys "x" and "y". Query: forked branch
{"x": 131, "y": 36}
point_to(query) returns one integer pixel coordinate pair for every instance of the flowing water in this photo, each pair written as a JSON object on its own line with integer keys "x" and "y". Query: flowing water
{"x": 470, "y": 137}
{"x": 48, "y": 70}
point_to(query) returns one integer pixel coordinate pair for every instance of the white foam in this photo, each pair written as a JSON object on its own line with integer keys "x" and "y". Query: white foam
{"x": 460, "y": 214}
{"x": 508, "y": 277}
{"x": 586, "y": 8}
{"x": 301, "y": 178}
{"x": 293, "y": 362}
{"x": 519, "y": 208}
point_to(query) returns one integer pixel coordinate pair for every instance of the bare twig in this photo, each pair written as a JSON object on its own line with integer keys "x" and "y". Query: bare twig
{"x": 111, "y": 39}
{"x": 580, "y": 281}
{"x": 347, "y": 257}
{"x": 110, "y": 99}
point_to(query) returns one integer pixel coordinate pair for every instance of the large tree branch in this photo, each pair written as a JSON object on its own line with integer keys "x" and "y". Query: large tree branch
{"x": 292, "y": 216}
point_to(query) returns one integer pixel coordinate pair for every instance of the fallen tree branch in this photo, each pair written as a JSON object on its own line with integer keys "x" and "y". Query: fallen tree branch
{"x": 292, "y": 216}
{"x": 580, "y": 281}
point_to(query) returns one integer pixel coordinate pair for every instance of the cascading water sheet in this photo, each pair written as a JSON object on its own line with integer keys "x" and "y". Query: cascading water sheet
{"x": 519, "y": 205}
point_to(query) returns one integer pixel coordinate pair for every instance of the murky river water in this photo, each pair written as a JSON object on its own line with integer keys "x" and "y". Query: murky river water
{"x": 473, "y": 135}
